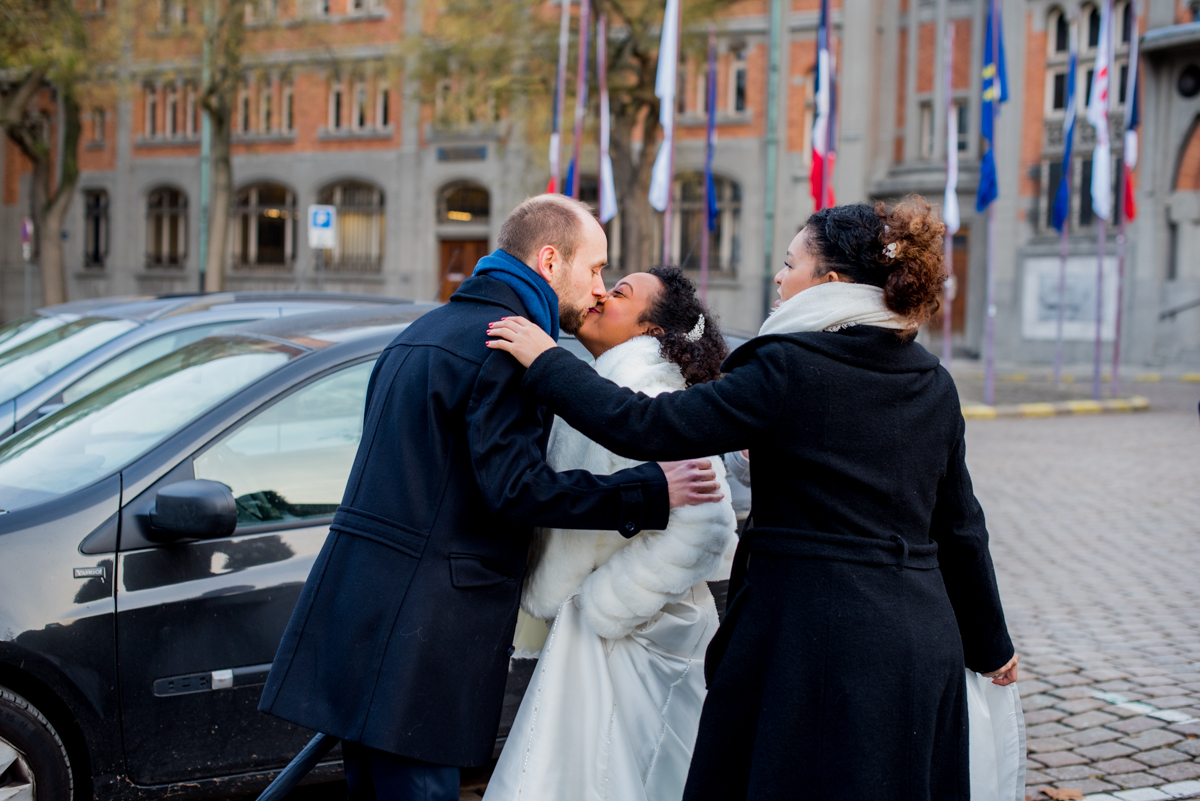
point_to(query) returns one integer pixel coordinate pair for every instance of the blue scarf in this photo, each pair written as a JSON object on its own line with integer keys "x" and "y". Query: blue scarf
{"x": 540, "y": 301}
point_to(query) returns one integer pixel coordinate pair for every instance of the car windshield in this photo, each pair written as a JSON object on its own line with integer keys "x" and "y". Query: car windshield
{"x": 29, "y": 363}
{"x": 108, "y": 429}
{"x": 26, "y": 328}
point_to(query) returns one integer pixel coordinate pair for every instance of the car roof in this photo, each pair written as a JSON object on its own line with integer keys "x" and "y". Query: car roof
{"x": 318, "y": 330}
{"x": 145, "y": 308}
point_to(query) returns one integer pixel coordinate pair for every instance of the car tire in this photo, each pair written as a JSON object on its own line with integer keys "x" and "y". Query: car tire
{"x": 31, "y": 752}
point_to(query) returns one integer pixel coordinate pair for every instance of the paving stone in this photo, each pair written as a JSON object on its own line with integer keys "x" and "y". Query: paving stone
{"x": 1136, "y": 724}
{"x": 1056, "y": 759}
{"x": 1190, "y": 747}
{"x": 1070, "y": 772}
{"x": 1038, "y": 716}
{"x": 1055, "y": 668}
{"x": 1133, "y": 780}
{"x": 1031, "y": 687}
{"x": 1047, "y": 744}
{"x": 1106, "y": 675}
{"x": 1089, "y": 719}
{"x": 1186, "y": 729}
{"x": 1037, "y": 700}
{"x": 1174, "y": 701}
{"x": 1089, "y": 786}
{"x": 1081, "y": 705}
{"x": 1108, "y": 750}
{"x": 1070, "y": 680}
{"x": 1034, "y": 777}
{"x": 1047, "y": 730}
{"x": 1163, "y": 756}
{"x": 1179, "y": 771}
{"x": 1121, "y": 765}
{"x": 1070, "y": 693}
{"x": 1151, "y": 681}
{"x": 1149, "y": 740}
{"x": 1092, "y": 736}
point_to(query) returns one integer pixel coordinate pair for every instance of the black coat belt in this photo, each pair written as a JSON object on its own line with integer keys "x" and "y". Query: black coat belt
{"x": 895, "y": 551}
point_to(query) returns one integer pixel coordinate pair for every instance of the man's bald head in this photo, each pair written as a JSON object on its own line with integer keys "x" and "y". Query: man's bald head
{"x": 555, "y": 220}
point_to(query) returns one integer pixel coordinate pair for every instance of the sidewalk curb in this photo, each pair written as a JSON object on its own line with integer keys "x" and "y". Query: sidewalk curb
{"x": 979, "y": 411}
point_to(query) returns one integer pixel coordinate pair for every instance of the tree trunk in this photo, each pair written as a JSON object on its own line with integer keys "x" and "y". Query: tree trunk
{"x": 220, "y": 199}
{"x": 632, "y": 178}
{"x": 53, "y": 209}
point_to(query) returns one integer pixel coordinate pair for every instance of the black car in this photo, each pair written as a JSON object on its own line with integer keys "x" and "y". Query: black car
{"x": 61, "y": 353}
{"x": 157, "y": 535}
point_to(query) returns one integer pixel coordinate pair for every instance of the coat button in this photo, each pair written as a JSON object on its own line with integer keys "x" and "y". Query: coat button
{"x": 511, "y": 650}
{"x": 629, "y": 526}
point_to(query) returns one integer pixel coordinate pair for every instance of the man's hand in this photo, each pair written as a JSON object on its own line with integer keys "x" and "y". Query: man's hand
{"x": 691, "y": 482}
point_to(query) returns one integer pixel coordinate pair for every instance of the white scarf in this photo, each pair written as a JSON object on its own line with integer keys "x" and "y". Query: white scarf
{"x": 830, "y": 307}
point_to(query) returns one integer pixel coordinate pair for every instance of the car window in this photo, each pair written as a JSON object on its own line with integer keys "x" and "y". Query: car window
{"x": 28, "y": 363}
{"x": 575, "y": 347}
{"x": 291, "y": 461}
{"x": 137, "y": 356}
{"x": 25, "y": 329}
{"x": 108, "y": 429}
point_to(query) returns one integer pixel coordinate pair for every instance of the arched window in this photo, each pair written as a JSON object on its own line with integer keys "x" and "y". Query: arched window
{"x": 166, "y": 228}
{"x": 264, "y": 227}
{"x": 1092, "y": 15}
{"x": 95, "y": 229}
{"x": 1126, "y": 13}
{"x": 1060, "y": 32}
{"x": 360, "y": 224}
{"x": 691, "y": 219}
{"x": 464, "y": 203}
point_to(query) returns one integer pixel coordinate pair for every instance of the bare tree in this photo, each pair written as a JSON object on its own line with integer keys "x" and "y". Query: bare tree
{"x": 44, "y": 57}
{"x": 479, "y": 55}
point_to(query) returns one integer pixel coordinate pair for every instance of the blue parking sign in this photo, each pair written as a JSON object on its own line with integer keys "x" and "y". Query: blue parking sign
{"x": 322, "y": 227}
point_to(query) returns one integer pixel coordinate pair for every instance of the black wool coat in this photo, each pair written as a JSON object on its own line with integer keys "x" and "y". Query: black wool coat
{"x": 866, "y": 583}
{"x": 401, "y": 637}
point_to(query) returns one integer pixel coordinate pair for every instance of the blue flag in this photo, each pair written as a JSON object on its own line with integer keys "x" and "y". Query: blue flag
{"x": 711, "y": 140}
{"x": 995, "y": 92}
{"x": 1062, "y": 199}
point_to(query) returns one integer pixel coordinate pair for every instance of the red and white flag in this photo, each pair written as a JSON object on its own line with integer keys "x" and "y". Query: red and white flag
{"x": 824, "y": 150}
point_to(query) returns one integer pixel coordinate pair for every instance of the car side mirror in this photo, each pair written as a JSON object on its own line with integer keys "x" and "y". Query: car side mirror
{"x": 196, "y": 509}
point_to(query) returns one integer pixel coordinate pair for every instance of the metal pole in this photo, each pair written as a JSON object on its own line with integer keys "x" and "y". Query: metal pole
{"x": 772, "y": 153}
{"x": 560, "y": 95}
{"x": 1114, "y": 387}
{"x": 989, "y": 377}
{"x": 580, "y": 93}
{"x": 948, "y": 256}
{"x": 1062, "y": 290}
{"x": 667, "y": 212}
{"x": 710, "y": 94}
{"x": 205, "y": 143}
{"x": 1101, "y": 233}
{"x": 28, "y": 287}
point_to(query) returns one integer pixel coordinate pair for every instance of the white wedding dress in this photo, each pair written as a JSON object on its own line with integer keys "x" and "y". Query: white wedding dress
{"x": 614, "y": 704}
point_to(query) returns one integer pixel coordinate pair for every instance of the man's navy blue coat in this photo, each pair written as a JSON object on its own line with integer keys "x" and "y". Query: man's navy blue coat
{"x": 401, "y": 636}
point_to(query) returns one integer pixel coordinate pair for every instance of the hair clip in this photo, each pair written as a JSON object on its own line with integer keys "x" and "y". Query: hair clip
{"x": 891, "y": 250}
{"x": 696, "y": 332}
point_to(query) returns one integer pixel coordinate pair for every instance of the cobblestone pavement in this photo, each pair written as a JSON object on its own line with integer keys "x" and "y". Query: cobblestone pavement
{"x": 1095, "y": 526}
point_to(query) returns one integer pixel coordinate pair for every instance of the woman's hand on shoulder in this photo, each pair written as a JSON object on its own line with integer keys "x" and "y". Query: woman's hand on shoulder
{"x": 1005, "y": 675}
{"x": 523, "y": 339}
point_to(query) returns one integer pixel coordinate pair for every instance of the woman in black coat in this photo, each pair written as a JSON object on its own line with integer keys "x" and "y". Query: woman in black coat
{"x": 865, "y": 584}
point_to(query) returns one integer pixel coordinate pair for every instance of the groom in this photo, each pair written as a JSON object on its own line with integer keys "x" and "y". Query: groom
{"x": 399, "y": 644}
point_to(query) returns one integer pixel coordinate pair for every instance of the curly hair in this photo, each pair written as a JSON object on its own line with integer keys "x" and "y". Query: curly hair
{"x": 677, "y": 311}
{"x": 854, "y": 241}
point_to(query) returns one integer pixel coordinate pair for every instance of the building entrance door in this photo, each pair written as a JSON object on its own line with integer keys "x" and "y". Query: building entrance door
{"x": 459, "y": 257}
{"x": 958, "y": 306}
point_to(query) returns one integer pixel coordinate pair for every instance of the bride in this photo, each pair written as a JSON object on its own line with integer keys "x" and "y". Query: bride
{"x": 614, "y": 704}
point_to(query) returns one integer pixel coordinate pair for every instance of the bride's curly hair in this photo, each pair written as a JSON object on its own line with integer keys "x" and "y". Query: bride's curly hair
{"x": 677, "y": 311}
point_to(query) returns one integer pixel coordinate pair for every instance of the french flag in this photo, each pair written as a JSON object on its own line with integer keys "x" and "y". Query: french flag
{"x": 1132, "y": 120}
{"x": 824, "y": 151}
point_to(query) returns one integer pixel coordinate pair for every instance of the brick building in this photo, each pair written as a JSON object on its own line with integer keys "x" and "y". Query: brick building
{"x": 324, "y": 116}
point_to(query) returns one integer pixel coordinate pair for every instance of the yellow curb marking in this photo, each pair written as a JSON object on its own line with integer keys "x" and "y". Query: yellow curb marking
{"x": 1037, "y": 409}
{"x": 1149, "y": 378}
{"x": 1120, "y": 406}
{"x": 1140, "y": 403}
{"x": 1085, "y": 406}
{"x": 1018, "y": 377}
{"x": 1190, "y": 377}
{"x": 978, "y": 412}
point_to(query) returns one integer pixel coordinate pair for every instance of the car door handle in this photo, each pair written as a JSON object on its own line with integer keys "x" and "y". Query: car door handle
{"x": 224, "y": 679}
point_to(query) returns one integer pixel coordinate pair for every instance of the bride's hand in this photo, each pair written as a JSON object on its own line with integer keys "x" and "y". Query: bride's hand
{"x": 1005, "y": 675}
{"x": 524, "y": 340}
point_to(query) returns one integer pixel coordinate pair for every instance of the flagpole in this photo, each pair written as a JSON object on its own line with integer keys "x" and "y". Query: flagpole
{"x": 560, "y": 97}
{"x": 1122, "y": 188}
{"x": 1062, "y": 286}
{"x": 710, "y": 94}
{"x": 1101, "y": 233}
{"x": 948, "y": 246}
{"x": 1102, "y": 92}
{"x": 989, "y": 375}
{"x": 580, "y": 94}
{"x": 666, "y": 247}
{"x": 602, "y": 189}
{"x": 826, "y": 169}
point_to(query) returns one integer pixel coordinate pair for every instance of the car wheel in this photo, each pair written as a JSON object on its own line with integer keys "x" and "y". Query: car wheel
{"x": 34, "y": 765}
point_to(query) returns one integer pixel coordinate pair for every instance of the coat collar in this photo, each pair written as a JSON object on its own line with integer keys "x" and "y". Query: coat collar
{"x": 482, "y": 289}
{"x": 870, "y": 347}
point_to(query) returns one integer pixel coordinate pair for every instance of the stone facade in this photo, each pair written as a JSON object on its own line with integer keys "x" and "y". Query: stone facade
{"x": 322, "y": 117}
